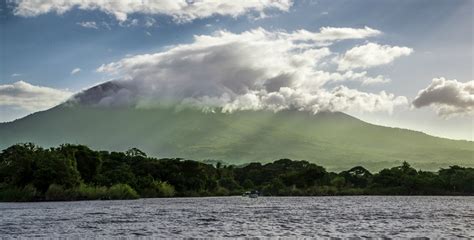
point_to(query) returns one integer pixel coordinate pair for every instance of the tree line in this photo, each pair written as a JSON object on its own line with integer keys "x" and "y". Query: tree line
{"x": 76, "y": 172}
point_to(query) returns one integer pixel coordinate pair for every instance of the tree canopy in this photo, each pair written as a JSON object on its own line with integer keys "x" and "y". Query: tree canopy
{"x": 70, "y": 172}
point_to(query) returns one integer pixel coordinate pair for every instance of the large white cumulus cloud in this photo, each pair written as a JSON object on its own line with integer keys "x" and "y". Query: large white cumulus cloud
{"x": 31, "y": 98}
{"x": 255, "y": 69}
{"x": 448, "y": 97}
{"x": 180, "y": 10}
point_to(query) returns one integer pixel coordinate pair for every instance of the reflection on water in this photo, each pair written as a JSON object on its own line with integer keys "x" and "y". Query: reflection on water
{"x": 362, "y": 216}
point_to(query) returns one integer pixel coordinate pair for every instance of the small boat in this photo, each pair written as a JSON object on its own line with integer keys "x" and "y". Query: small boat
{"x": 253, "y": 194}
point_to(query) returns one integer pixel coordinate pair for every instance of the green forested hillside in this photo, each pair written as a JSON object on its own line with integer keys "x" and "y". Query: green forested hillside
{"x": 335, "y": 140}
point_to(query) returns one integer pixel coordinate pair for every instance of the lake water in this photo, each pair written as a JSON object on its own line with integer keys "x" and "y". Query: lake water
{"x": 362, "y": 216}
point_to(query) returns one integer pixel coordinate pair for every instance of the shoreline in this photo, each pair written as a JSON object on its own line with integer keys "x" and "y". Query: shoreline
{"x": 76, "y": 172}
{"x": 237, "y": 196}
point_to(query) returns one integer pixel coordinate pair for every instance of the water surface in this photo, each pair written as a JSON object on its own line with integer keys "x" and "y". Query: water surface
{"x": 361, "y": 216}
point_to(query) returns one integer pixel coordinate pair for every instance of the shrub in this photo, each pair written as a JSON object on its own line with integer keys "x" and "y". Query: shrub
{"x": 352, "y": 191}
{"x": 248, "y": 184}
{"x": 338, "y": 182}
{"x": 294, "y": 192}
{"x": 159, "y": 189}
{"x": 87, "y": 192}
{"x": 16, "y": 194}
{"x": 121, "y": 191}
{"x": 165, "y": 189}
{"x": 57, "y": 192}
{"x": 321, "y": 191}
{"x": 222, "y": 191}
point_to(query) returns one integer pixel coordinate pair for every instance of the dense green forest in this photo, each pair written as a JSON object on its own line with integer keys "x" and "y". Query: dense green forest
{"x": 75, "y": 172}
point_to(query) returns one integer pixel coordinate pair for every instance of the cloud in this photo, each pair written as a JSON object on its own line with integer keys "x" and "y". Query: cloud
{"x": 23, "y": 95}
{"x": 15, "y": 75}
{"x": 333, "y": 34}
{"x": 150, "y": 22}
{"x": 339, "y": 98}
{"x": 180, "y": 10}
{"x": 375, "y": 80}
{"x": 75, "y": 71}
{"x": 448, "y": 97}
{"x": 371, "y": 55}
{"x": 129, "y": 23}
{"x": 256, "y": 69}
{"x": 361, "y": 77}
{"x": 90, "y": 24}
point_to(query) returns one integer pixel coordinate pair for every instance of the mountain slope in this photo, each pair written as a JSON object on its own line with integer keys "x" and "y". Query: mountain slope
{"x": 335, "y": 140}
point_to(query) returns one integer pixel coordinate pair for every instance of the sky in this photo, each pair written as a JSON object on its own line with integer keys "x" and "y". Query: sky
{"x": 398, "y": 63}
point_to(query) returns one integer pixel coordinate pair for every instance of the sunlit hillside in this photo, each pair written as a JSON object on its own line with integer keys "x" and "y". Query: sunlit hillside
{"x": 335, "y": 140}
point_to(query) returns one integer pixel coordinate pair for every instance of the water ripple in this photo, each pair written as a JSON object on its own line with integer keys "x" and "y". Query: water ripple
{"x": 238, "y": 217}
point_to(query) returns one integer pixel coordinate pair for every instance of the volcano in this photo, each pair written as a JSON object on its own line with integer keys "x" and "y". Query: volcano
{"x": 332, "y": 139}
